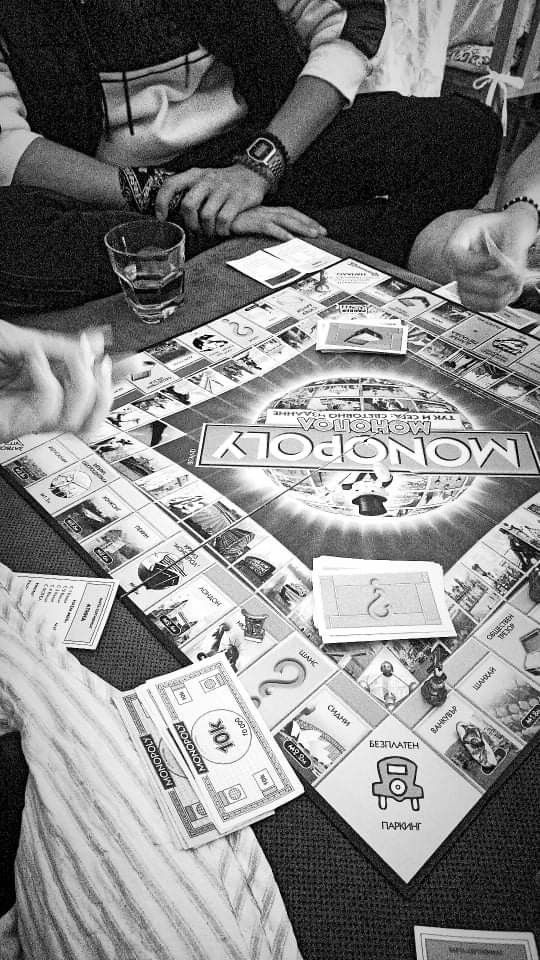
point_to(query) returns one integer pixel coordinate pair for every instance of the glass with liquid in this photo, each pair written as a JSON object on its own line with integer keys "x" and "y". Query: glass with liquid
{"x": 148, "y": 257}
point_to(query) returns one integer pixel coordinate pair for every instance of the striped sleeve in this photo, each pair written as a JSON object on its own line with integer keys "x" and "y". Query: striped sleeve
{"x": 98, "y": 875}
{"x": 339, "y": 38}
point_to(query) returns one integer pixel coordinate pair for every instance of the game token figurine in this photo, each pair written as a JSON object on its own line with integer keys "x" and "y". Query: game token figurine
{"x": 434, "y": 690}
{"x": 253, "y": 625}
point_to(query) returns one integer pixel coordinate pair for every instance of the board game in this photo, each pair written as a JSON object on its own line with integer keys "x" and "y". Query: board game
{"x": 237, "y": 453}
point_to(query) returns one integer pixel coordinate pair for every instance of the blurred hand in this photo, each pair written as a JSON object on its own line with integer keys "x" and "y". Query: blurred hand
{"x": 488, "y": 254}
{"x": 211, "y": 197}
{"x": 280, "y": 223}
{"x": 52, "y": 382}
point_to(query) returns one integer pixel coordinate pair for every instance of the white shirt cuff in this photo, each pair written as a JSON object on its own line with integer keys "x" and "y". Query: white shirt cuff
{"x": 13, "y": 144}
{"x": 341, "y": 64}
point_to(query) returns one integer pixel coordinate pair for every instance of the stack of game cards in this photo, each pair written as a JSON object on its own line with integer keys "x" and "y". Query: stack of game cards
{"x": 372, "y": 333}
{"x": 210, "y": 759}
{"x": 363, "y": 600}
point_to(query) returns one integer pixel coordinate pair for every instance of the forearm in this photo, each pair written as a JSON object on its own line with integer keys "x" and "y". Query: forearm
{"x": 308, "y": 110}
{"x": 523, "y": 178}
{"x": 53, "y": 167}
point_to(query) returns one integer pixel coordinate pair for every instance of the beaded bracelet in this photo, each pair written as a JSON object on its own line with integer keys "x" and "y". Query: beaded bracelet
{"x": 533, "y": 203}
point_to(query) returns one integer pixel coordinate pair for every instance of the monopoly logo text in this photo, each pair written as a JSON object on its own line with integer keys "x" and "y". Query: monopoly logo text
{"x": 470, "y": 452}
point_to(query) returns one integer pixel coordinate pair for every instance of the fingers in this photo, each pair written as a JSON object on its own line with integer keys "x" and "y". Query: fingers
{"x": 488, "y": 294}
{"x": 42, "y": 408}
{"x": 104, "y": 397}
{"x": 218, "y": 213}
{"x": 300, "y": 223}
{"x": 225, "y": 217}
{"x": 55, "y": 382}
{"x": 177, "y": 184}
{"x": 79, "y": 384}
{"x": 281, "y": 223}
{"x": 192, "y": 204}
{"x": 276, "y": 232}
{"x": 467, "y": 249}
{"x": 211, "y": 197}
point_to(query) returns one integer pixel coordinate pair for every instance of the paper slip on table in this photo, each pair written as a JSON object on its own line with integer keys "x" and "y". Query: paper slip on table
{"x": 236, "y": 462}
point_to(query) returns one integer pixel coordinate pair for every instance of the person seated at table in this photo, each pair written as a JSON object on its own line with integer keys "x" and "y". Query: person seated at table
{"x": 487, "y": 253}
{"x": 243, "y": 103}
{"x": 49, "y": 381}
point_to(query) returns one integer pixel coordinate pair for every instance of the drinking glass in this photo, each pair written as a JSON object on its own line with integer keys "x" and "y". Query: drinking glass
{"x": 148, "y": 257}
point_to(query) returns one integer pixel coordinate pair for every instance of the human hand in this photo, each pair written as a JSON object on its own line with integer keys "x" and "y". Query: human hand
{"x": 280, "y": 223}
{"x": 211, "y": 197}
{"x": 488, "y": 254}
{"x": 52, "y": 382}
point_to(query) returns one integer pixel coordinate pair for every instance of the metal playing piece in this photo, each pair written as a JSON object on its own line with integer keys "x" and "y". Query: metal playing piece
{"x": 254, "y": 625}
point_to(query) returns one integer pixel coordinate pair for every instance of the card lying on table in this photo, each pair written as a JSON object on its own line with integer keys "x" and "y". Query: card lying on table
{"x": 370, "y": 334}
{"x": 379, "y": 600}
{"x": 266, "y": 268}
{"x": 436, "y": 943}
{"x": 210, "y": 758}
{"x": 75, "y": 609}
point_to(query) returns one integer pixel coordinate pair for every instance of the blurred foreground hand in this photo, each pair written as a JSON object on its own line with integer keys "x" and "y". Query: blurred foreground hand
{"x": 49, "y": 381}
{"x": 488, "y": 254}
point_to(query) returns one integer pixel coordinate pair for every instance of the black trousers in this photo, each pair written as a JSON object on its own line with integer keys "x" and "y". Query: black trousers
{"x": 375, "y": 178}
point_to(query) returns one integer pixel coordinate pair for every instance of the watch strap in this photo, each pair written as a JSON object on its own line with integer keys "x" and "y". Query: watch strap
{"x": 261, "y": 169}
{"x": 273, "y": 169}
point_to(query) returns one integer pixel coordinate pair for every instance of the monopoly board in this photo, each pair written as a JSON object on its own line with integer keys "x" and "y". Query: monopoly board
{"x": 236, "y": 453}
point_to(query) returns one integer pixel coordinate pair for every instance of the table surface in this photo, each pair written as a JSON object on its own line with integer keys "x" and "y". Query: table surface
{"x": 341, "y": 906}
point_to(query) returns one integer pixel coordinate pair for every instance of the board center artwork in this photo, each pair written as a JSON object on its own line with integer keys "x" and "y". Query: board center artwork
{"x": 237, "y": 453}
{"x": 376, "y": 421}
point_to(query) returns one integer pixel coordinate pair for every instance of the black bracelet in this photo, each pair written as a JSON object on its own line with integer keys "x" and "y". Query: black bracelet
{"x": 529, "y": 200}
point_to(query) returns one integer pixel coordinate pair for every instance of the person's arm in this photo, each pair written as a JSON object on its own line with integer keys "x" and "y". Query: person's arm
{"x": 51, "y": 166}
{"x": 486, "y": 253}
{"x": 523, "y": 178}
{"x": 214, "y": 197}
{"x": 29, "y": 159}
{"x": 341, "y": 44}
{"x": 489, "y": 253}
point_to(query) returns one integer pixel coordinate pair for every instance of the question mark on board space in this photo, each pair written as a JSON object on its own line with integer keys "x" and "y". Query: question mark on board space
{"x": 266, "y": 686}
{"x": 241, "y": 332}
{"x": 378, "y": 594}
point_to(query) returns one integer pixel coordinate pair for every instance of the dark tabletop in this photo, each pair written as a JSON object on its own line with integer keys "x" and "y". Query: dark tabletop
{"x": 341, "y": 906}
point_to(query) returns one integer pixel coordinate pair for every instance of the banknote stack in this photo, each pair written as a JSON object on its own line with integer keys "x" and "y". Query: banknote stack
{"x": 211, "y": 761}
{"x": 368, "y": 600}
{"x": 372, "y": 333}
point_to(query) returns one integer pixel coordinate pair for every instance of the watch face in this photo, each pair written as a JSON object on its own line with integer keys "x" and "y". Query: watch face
{"x": 261, "y": 150}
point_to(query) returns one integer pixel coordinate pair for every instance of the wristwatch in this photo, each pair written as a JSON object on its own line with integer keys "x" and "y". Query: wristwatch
{"x": 267, "y": 156}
